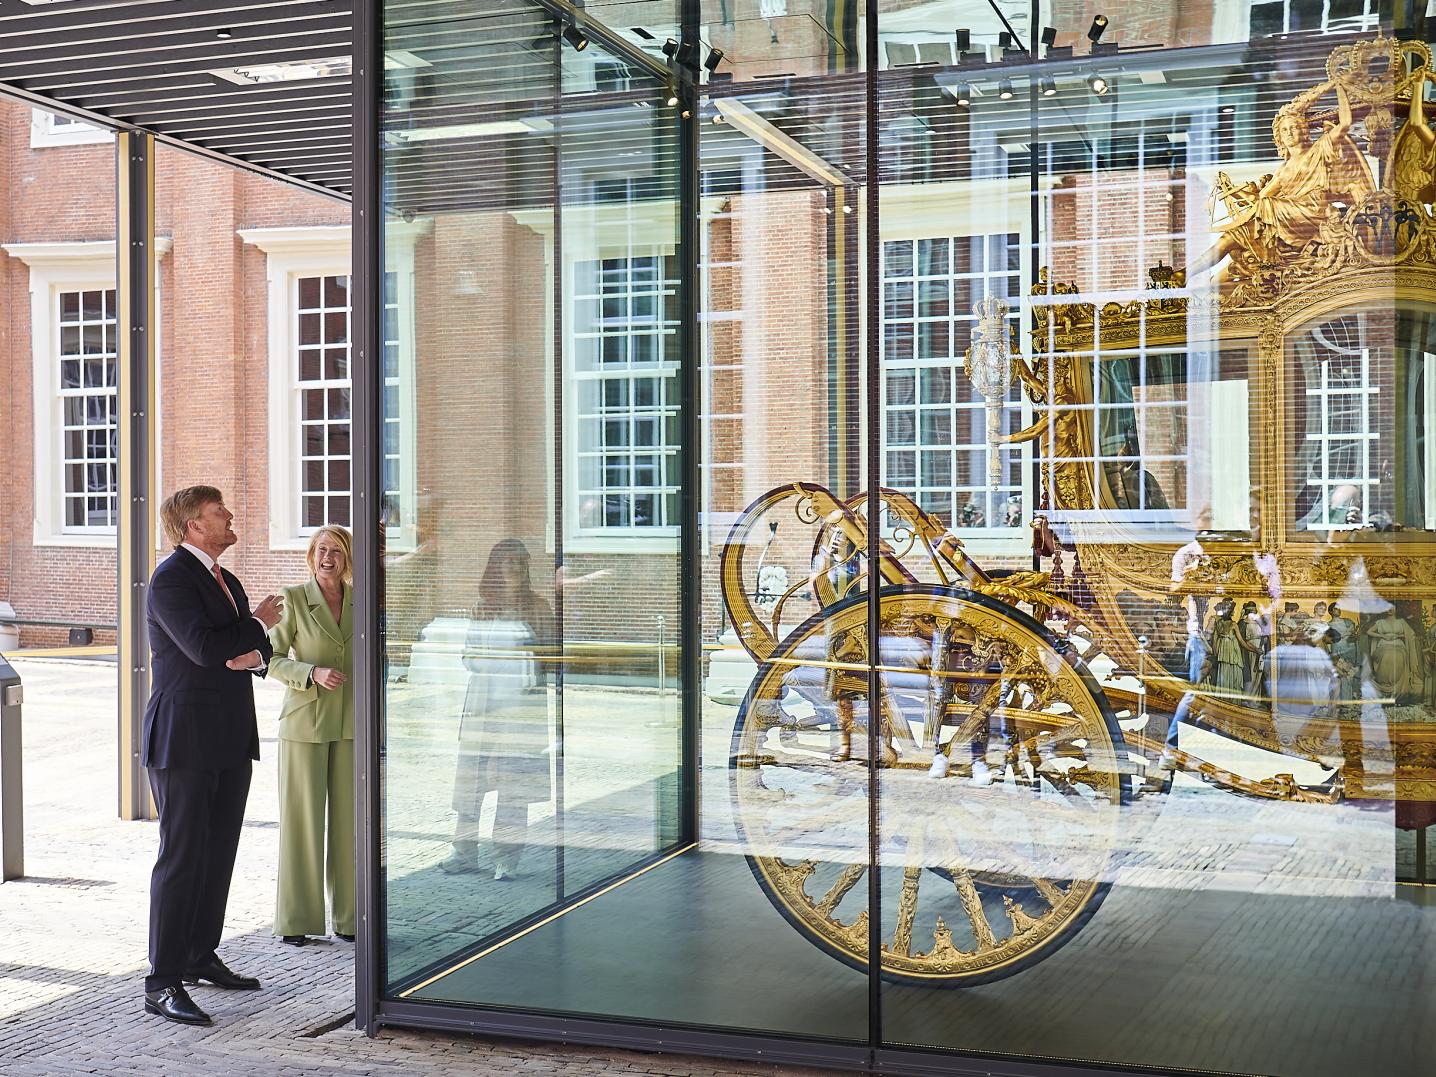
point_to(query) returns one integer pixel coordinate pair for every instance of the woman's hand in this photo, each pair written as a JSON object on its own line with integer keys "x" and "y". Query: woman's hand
{"x": 328, "y": 678}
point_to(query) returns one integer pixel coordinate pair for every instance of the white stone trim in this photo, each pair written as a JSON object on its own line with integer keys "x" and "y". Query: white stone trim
{"x": 56, "y": 268}
{"x": 44, "y": 134}
{"x": 319, "y": 251}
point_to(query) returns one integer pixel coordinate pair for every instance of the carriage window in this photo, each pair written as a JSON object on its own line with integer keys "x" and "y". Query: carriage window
{"x": 1358, "y": 405}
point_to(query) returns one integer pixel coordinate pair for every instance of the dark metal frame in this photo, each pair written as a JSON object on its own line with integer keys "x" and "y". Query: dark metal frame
{"x": 135, "y": 367}
{"x": 367, "y": 311}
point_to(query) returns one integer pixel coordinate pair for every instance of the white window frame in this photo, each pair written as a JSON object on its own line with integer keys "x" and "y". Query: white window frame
{"x": 56, "y": 268}
{"x": 590, "y": 233}
{"x": 957, "y": 208}
{"x": 324, "y": 251}
{"x": 71, "y": 132}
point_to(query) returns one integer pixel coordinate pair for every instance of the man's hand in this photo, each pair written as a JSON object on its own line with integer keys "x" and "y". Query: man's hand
{"x": 248, "y": 660}
{"x": 328, "y": 678}
{"x": 270, "y": 610}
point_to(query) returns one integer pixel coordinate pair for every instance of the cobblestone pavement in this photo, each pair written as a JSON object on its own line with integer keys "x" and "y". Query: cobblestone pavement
{"x": 72, "y": 936}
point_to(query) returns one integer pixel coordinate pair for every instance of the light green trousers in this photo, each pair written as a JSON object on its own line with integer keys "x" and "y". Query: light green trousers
{"x": 315, "y": 781}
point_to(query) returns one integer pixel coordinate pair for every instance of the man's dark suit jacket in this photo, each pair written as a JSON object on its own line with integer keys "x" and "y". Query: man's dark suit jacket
{"x": 201, "y": 712}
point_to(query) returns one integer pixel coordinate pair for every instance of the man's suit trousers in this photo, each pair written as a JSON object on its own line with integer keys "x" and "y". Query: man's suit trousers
{"x": 201, "y": 812}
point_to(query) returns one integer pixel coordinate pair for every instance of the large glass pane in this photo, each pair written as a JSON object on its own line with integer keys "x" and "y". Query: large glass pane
{"x": 1187, "y": 753}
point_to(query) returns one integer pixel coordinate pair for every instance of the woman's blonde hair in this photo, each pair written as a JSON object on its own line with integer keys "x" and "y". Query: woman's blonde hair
{"x": 342, "y": 539}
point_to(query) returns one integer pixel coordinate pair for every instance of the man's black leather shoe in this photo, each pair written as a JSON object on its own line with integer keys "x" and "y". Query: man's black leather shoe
{"x": 218, "y": 973}
{"x": 174, "y": 1004}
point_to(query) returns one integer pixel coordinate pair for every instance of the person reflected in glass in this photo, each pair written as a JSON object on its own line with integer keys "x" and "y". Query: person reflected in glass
{"x": 504, "y": 739}
{"x": 314, "y": 658}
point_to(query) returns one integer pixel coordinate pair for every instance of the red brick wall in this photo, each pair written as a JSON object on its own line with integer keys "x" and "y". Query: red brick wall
{"x": 213, "y": 343}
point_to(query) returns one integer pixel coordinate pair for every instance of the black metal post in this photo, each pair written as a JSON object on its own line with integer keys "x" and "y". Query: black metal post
{"x": 134, "y": 502}
{"x": 870, "y": 269}
{"x": 366, "y": 372}
{"x": 12, "y": 775}
{"x": 690, "y": 246}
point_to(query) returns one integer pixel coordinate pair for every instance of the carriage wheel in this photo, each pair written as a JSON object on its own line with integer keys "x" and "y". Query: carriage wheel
{"x": 976, "y": 882}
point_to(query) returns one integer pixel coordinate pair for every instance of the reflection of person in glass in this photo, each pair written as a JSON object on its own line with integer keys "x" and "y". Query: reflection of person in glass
{"x": 1345, "y": 653}
{"x": 504, "y": 733}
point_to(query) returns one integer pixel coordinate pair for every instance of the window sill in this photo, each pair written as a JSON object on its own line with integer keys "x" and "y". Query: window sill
{"x": 103, "y": 541}
{"x": 635, "y": 544}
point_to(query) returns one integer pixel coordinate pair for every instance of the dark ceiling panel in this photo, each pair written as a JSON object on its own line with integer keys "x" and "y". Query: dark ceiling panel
{"x": 151, "y": 65}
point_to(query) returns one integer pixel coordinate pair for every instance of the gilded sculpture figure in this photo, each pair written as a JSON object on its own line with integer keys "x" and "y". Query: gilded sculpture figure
{"x": 1278, "y": 215}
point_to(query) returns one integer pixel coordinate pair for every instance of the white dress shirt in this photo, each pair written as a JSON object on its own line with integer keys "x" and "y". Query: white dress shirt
{"x": 209, "y": 562}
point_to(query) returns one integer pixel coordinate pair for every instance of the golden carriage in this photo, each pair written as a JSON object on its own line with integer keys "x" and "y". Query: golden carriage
{"x": 1019, "y": 723}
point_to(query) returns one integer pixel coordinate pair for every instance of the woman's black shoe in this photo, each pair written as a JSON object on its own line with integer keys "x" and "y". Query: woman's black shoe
{"x": 296, "y": 940}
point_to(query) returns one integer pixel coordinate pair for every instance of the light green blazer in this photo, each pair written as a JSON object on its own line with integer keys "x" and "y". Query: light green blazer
{"x": 304, "y": 638}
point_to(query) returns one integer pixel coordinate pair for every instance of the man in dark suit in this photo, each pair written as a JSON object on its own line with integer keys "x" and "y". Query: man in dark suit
{"x": 200, "y": 738}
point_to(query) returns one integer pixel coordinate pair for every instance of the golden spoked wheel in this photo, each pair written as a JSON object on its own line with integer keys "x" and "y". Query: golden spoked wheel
{"x": 976, "y": 880}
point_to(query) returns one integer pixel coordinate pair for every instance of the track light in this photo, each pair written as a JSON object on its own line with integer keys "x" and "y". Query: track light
{"x": 575, "y": 37}
{"x": 670, "y": 48}
{"x": 964, "y": 94}
{"x": 1004, "y": 41}
{"x": 1097, "y": 29}
{"x": 224, "y": 35}
{"x": 672, "y": 99}
{"x": 1049, "y": 86}
{"x": 1049, "y": 36}
{"x": 1098, "y": 84}
{"x": 713, "y": 59}
{"x": 1004, "y": 89}
{"x": 964, "y": 40}
{"x": 687, "y": 53}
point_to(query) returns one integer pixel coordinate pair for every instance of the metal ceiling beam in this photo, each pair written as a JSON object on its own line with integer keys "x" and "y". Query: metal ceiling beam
{"x": 136, "y": 65}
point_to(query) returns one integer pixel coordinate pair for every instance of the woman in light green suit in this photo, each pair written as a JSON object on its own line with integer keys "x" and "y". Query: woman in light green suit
{"x": 314, "y": 657}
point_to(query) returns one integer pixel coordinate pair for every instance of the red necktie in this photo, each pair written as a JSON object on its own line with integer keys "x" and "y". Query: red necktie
{"x": 219, "y": 579}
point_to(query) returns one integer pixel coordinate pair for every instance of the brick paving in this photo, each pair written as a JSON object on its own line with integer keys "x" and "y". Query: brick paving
{"x": 72, "y": 937}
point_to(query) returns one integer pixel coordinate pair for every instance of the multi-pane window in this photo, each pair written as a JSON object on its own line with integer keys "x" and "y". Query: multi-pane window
{"x": 625, "y": 339}
{"x": 1141, "y": 424}
{"x": 392, "y": 455}
{"x": 90, "y": 439}
{"x": 1341, "y": 391}
{"x": 322, "y": 373}
{"x": 1329, "y": 16}
{"x": 322, "y": 358}
{"x": 934, "y": 422}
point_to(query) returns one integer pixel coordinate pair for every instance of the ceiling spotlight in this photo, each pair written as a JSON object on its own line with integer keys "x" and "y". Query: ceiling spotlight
{"x": 1049, "y": 86}
{"x": 672, "y": 100}
{"x": 963, "y": 94}
{"x": 687, "y": 53}
{"x": 1229, "y": 109}
{"x": 1098, "y": 84}
{"x": 1097, "y": 29}
{"x": 964, "y": 40}
{"x": 1049, "y": 36}
{"x": 713, "y": 59}
{"x": 1004, "y": 41}
{"x": 224, "y": 35}
{"x": 1004, "y": 89}
{"x": 670, "y": 48}
{"x": 575, "y": 37}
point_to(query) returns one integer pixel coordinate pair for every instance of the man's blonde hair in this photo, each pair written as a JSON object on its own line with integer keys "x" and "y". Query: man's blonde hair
{"x": 342, "y": 539}
{"x": 185, "y": 505}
